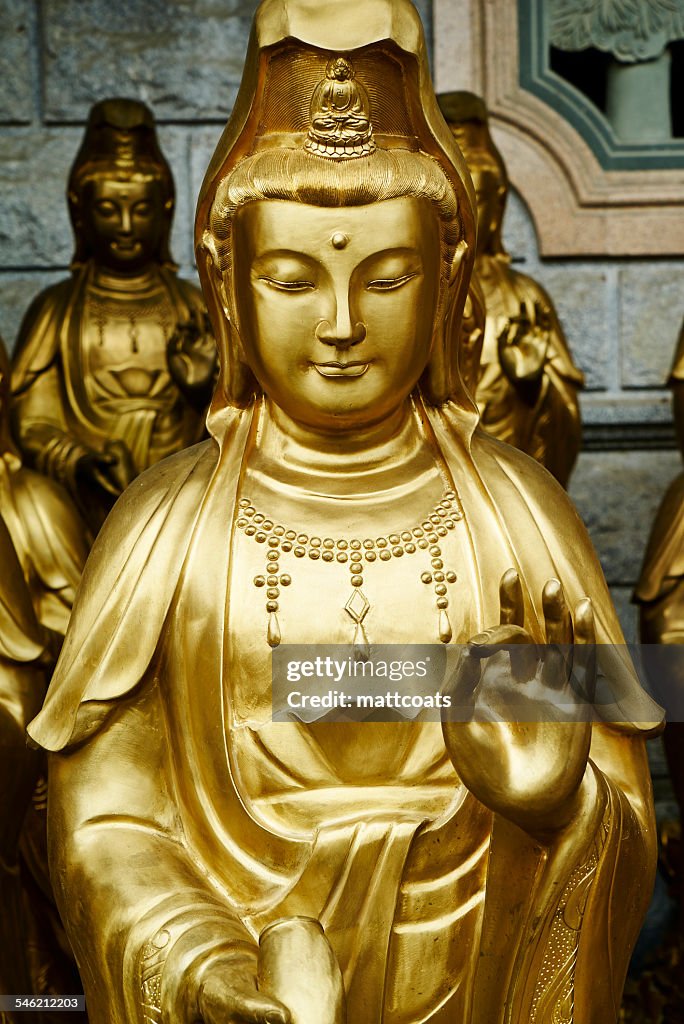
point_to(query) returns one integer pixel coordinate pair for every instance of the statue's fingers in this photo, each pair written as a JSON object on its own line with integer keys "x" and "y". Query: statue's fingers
{"x": 262, "y": 1009}
{"x": 557, "y": 618}
{"x": 511, "y": 599}
{"x": 584, "y": 664}
{"x": 228, "y": 1005}
{"x": 558, "y": 630}
{"x": 490, "y": 642}
{"x": 461, "y": 687}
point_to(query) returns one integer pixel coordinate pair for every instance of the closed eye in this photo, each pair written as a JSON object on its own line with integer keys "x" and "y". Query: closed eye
{"x": 288, "y": 286}
{"x": 389, "y": 284}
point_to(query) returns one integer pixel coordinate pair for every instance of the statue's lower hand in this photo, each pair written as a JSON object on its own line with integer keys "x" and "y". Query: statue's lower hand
{"x": 226, "y": 992}
{"x": 111, "y": 470}
{"x": 519, "y": 754}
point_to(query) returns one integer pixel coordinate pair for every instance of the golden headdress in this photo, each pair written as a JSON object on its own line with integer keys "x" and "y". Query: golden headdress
{"x": 338, "y": 82}
{"x": 120, "y": 141}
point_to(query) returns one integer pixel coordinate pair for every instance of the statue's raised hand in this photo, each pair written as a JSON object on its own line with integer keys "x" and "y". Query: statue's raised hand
{"x": 523, "y": 348}
{"x": 523, "y": 750}
{"x": 191, "y": 356}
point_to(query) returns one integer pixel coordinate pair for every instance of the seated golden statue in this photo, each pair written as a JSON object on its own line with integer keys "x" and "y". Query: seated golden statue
{"x": 22, "y": 688}
{"x": 528, "y": 383}
{"x": 660, "y": 595}
{"x": 114, "y": 366}
{"x": 346, "y": 496}
{"x": 47, "y": 541}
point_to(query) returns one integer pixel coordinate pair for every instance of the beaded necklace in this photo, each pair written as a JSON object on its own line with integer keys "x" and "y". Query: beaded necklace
{"x": 279, "y": 540}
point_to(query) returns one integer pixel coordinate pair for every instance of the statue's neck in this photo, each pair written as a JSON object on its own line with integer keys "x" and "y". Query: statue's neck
{"x": 385, "y": 457}
{"x": 111, "y": 280}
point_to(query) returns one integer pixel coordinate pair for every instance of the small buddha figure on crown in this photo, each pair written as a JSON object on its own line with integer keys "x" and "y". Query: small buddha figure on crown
{"x": 114, "y": 366}
{"x": 215, "y": 864}
{"x": 528, "y": 383}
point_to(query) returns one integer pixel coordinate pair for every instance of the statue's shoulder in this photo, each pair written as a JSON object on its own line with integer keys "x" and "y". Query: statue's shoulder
{"x": 664, "y": 558}
{"x": 530, "y": 288}
{"x": 166, "y": 481}
{"x": 508, "y": 466}
{"x": 45, "y": 305}
{"x": 38, "y": 338}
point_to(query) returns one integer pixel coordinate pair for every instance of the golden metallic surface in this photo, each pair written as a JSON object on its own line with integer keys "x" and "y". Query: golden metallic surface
{"x": 114, "y": 366}
{"x": 45, "y": 539}
{"x": 22, "y": 688}
{"x": 660, "y": 595}
{"x": 527, "y": 386}
{"x": 483, "y": 874}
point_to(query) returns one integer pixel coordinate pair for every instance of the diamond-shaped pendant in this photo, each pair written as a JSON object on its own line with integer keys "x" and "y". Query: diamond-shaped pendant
{"x": 357, "y": 606}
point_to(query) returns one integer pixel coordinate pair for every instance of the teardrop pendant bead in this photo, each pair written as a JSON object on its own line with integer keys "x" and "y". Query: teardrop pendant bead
{"x": 445, "y": 631}
{"x": 273, "y": 635}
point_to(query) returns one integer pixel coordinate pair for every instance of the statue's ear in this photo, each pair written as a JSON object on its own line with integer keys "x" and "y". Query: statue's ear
{"x": 441, "y": 379}
{"x": 236, "y": 380}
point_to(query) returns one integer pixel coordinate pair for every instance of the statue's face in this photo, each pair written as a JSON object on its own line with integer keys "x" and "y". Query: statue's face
{"x": 335, "y": 307}
{"x": 123, "y": 222}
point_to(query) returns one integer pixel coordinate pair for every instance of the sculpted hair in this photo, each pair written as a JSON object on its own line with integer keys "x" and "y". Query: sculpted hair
{"x": 294, "y": 174}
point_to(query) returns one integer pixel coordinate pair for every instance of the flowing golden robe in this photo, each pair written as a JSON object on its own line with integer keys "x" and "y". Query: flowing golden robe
{"x": 173, "y": 850}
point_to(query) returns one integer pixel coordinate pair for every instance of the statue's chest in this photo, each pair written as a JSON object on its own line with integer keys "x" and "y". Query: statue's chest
{"x": 318, "y": 602}
{"x": 123, "y": 344}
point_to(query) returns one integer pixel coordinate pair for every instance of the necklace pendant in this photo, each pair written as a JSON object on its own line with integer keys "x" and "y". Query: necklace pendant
{"x": 273, "y": 634}
{"x": 357, "y": 608}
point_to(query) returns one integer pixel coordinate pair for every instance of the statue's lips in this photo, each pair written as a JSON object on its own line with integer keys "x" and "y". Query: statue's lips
{"x": 334, "y": 369}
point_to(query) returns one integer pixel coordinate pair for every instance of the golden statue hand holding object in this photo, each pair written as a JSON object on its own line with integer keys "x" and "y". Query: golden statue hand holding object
{"x": 528, "y": 384}
{"x": 346, "y": 496}
{"x": 114, "y": 367}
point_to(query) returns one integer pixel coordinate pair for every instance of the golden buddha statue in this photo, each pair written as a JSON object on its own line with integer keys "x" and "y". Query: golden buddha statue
{"x": 660, "y": 594}
{"x": 22, "y": 688}
{"x": 114, "y": 366}
{"x": 528, "y": 383}
{"x": 213, "y": 864}
{"x": 46, "y": 544}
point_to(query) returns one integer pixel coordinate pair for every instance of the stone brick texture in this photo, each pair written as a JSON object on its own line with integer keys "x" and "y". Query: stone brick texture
{"x": 57, "y": 57}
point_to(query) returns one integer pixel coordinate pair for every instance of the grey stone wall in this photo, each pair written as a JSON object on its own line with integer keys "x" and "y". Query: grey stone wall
{"x": 184, "y": 58}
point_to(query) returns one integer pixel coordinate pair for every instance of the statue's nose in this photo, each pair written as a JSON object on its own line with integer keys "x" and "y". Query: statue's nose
{"x": 125, "y": 224}
{"x": 332, "y": 334}
{"x": 341, "y": 329}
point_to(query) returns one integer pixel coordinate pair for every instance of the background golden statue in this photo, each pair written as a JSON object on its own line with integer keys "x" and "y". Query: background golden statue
{"x": 660, "y": 595}
{"x": 22, "y": 688}
{"x": 48, "y": 544}
{"x": 114, "y": 366}
{"x": 527, "y": 386}
{"x": 346, "y": 496}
